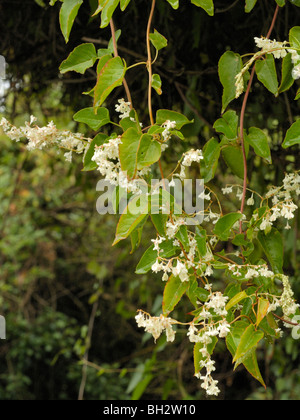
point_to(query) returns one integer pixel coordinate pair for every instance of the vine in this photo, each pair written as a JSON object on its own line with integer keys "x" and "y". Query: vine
{"x": 259, "y": 296}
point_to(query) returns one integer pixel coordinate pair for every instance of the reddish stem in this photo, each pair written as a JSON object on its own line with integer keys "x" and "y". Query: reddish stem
{"x": 243, "y": 111}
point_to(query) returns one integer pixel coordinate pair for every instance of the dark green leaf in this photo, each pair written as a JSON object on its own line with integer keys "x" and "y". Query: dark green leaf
{"x": 81, "y": 58}
{"x": 110, "y": 76}
{"x": 207, "y": 5}
{"x": 230, "y": 65}
{"x": 272, "y": 245}
{"x": 94, "y": 121}
{"x": 173, "y": 292}
{"x": 292, "y": 136}
{"x": 225, "y": 224}
{"x": 259, "y": 141}
{"x": 67, "y": 16}
{"x": 267, "y": 74}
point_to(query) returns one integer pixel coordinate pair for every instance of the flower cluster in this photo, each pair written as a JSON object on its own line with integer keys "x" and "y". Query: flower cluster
{"x": 287, "y": 301}
{"x": 250, "y": 272}
{"x": 282, "y": 199}
{"x": 45, "y": 137}
{"x": 123, "y": 108}
{"x": 214, "y": 307}
{"x": 168, "y": 126}
{"x": 278, "y": 49}
{"x": 156, "y": 325}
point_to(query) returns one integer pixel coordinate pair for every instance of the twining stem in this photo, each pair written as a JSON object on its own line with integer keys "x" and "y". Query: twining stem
{"x": 149, "y": 66}
{"x": 149, "y": 63}
{"x": 116, "y": 54}
{"x": 242, "y": 121}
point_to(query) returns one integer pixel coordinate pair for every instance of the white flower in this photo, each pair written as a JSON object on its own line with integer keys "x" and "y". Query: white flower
{"x": 68, "y": 156}
{"x": 227, "y": 190}
{"x": 278, "y": 49}
{"x": 173, "y": 227}
{"x": 296, "y": 72}
{"x": 181, "y": 271}
{"x": 287, "y": 301}
{"x": 157, "y": 267}
{"x": 192, "y": 156}
{"x": 295, "y": 56}
{"x": 251, "y": 201}
{"x": 157, "y": 242}
{"x": 209, "y": 271}
{"x": 168, "y": 125}
{"x": 156, "y": 325}
{"x": 123, "y": 108}
{"x": 217, "y": 302}
{"x": 224, "y": 329}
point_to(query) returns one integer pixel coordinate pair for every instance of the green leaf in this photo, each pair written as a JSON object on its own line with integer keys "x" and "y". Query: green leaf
{"x": 107, "y": 12}
{"x": 233, "y": 340}
{"x": 272, "y": 245}
{"x": 198, "y": 356}
{"x": 158, "y": 40}
{"x": 67, "y": 16}
{"x": 164, "y": 115}
{"x": 287, "y": 80}
{"x": 249, "y": 341}
{"x": 174, "y": 3}
{"x": 249, "y": 6}
{"x": 236, "y": 299}
{"x": 124, "y": 4}
{"x": 259, "y": 141}
{"x": 297, "y": 97}
{"x": 281, "y": 3}
{"x": 110, "y": 77}
{"x": 183, "y": 237}
{"x": 94, "y": 121}
{"x": 292, "y": 136}
{"x": 90, "y": 165}
{"x": 196, "y": 294}
{"x": 225, "y": 224}
{"x": 201, "y": 239}
{"x": 137, "y": 151}
{"x": 267, "y": 74}
{"x": 262, "y": 310}
{"x": 228, "y": 125}
{"x": 134, "y": 214}
{"x": 173, "y": 292}
{"x": 159, "y": 221}
{"x": 156, "y": 83}
{"x": 233, "y": 157}
{"x": 209, "y": 164}
{"x": 294, "y": 37}
{"x": 207, "y": 5}
{"x": 150, "y": 256}
{"x": 294, "y": 2}
{"x": 230, "y": 65}
{"x": 80, "y": 59}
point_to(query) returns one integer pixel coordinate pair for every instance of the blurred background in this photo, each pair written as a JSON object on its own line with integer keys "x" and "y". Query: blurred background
{"x": 69, "y": 298}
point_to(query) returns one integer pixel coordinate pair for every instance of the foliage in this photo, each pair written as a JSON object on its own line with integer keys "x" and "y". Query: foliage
{"x": 241, "y": 240}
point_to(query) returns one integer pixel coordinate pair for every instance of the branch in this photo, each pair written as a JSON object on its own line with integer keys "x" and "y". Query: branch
{"x": 243, "y": 110}
{"x": 116, "y": 54}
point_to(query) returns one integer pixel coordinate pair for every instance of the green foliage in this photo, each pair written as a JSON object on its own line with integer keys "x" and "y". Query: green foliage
{"x": 218, "y": 276}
